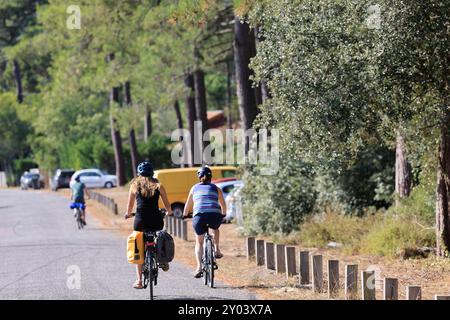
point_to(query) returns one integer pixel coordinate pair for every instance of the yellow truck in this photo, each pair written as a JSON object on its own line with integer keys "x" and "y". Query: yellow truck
{"x": 178, "y": 183}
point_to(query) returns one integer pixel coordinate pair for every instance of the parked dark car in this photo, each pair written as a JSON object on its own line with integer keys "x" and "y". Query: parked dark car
{"x": 61, "y": 179}
{"x": 31, "y": 180}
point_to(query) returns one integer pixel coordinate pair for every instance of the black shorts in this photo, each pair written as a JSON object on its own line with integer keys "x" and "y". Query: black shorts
{"x": 148, "y": 222}
{"x": 201, "y": 221}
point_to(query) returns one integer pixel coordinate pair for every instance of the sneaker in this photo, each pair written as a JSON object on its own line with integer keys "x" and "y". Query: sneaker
{"x": 198, "y": 274}
{"x": 164, "y": 266}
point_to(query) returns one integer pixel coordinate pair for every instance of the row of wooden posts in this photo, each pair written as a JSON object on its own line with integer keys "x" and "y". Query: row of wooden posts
{"x": 104, "y": 200}
{"x": 177, "y": 227}
{"x": 282, "y": 259}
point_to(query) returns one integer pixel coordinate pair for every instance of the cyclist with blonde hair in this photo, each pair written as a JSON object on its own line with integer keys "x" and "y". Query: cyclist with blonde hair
{"x": 146, "y": 191}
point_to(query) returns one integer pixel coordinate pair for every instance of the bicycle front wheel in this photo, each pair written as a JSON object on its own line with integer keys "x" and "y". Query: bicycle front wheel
{"x": 211, "y": 264}
{"x": 205, "y": 262}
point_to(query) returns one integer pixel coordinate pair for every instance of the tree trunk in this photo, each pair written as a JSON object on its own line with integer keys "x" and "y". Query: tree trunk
{"x": 18, "y": 79}
{"x": 131, "y": 135}
{"x": 265, "y": 91}
{"x": 200, "y": 98}
{"x": 147, "y": 123}
{"x": 190, "y": 107}
{"x": 403, "y": 175}
{"x": 443, "y": 191}
{"x": 200, "y": 109}
{"x": 115, "y": 135}
{"x": 176, "y": 106}
{"x": 229, "y": 97}
{"x": 117, "y": 144}
{"x": 243, "y": 48}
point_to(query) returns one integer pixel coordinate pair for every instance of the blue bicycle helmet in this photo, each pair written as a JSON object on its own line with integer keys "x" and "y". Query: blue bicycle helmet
{"x": 145, "y": 169}
{"x": 204, "y": 171}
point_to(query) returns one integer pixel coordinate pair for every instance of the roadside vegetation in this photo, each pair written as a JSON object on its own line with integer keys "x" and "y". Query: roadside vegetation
{"x": 360, "y": 94}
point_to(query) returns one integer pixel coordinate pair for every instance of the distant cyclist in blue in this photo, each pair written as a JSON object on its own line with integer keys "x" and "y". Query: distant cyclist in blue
{"x": 78, "y": 191}
{"x": 209, "y": 210}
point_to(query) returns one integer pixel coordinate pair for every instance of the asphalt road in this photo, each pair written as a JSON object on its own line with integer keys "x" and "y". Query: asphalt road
{"x": 44, "y": 256}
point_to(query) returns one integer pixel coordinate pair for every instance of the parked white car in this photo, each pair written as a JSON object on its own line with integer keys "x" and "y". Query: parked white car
{"x": 229, "y": 189}
{"x": 228, "y": 186}
{"x": 94, "y": 178}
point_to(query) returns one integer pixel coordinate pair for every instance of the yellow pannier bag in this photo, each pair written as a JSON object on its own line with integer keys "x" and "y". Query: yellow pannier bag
{"x": 135, "y": 248}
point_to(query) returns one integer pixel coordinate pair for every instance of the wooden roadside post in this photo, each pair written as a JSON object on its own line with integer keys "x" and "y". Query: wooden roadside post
{"x": 250, "y": 248}
{"x": 390, "y": 289}
{"x": 304, "y": 268}
{"x": 317, "y": 266}
{"x": 260, "y": 260}
{"x": 172, "y": 226}
{"x": 168, "y": 224}
{"x": 180, "y": 228}
{"x": 441, "y": 297}
{"x": 270, "y": 256}
{"x": 368, "y": 285}
{"x": 333, "y": 278}
{"x": 184, "y": 230}
{"x": 413, "y": 293}
{"x": 280, "y": 261}
{"x": 290, "y": 261}
{"x": 351, "y": 282}
{"x": 175, "y": 227}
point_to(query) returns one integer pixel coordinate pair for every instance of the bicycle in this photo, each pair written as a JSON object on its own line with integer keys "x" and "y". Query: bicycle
{"x": 77, "y": 207}
{"x": 150, "y": 266}
{"x": 208, "y": 260}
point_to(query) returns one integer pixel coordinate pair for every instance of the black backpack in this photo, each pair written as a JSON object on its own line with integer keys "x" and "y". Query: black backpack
{"x": 165, "y": 247}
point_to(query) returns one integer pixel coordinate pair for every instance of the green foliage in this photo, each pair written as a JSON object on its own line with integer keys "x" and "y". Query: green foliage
{"x": 364, "y": 182}
{"x": 157, "y": 151}
{"x": 395, "y": 234}
{"x": 319, "y": 230}
{"x": 13, "y": 130}
{"x": 216, "y": 90}
{"x": 277, "y": 204}
{"x": 419, "y": 206}
{"x": 377, "y": 234}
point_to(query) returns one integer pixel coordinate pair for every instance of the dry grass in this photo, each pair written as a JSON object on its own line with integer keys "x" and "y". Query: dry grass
{"x": 234, "y": 269}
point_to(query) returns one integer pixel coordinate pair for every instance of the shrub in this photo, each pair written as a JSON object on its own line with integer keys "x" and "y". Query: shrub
{"x": 394, "y": 235}
{"x": 420, "y": 205}
{"x": 379, "y": 234}
{"x": 277, "y": 203}
{"x": 319, "y": 230}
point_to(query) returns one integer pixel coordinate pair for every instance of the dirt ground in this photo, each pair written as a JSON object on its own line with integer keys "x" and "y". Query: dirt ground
{"x": 432, "y": 274}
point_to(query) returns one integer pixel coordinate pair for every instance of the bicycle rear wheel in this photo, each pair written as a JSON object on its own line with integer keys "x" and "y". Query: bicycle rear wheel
{"x": 151, "y": 272}
{"x": 79, "y": 221}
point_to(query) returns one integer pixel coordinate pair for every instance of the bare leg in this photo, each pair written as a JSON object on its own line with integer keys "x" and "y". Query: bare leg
{"x": 139, "y": 272}
{"x": 216, "y": 234}
{"x": 199, "y": 250}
